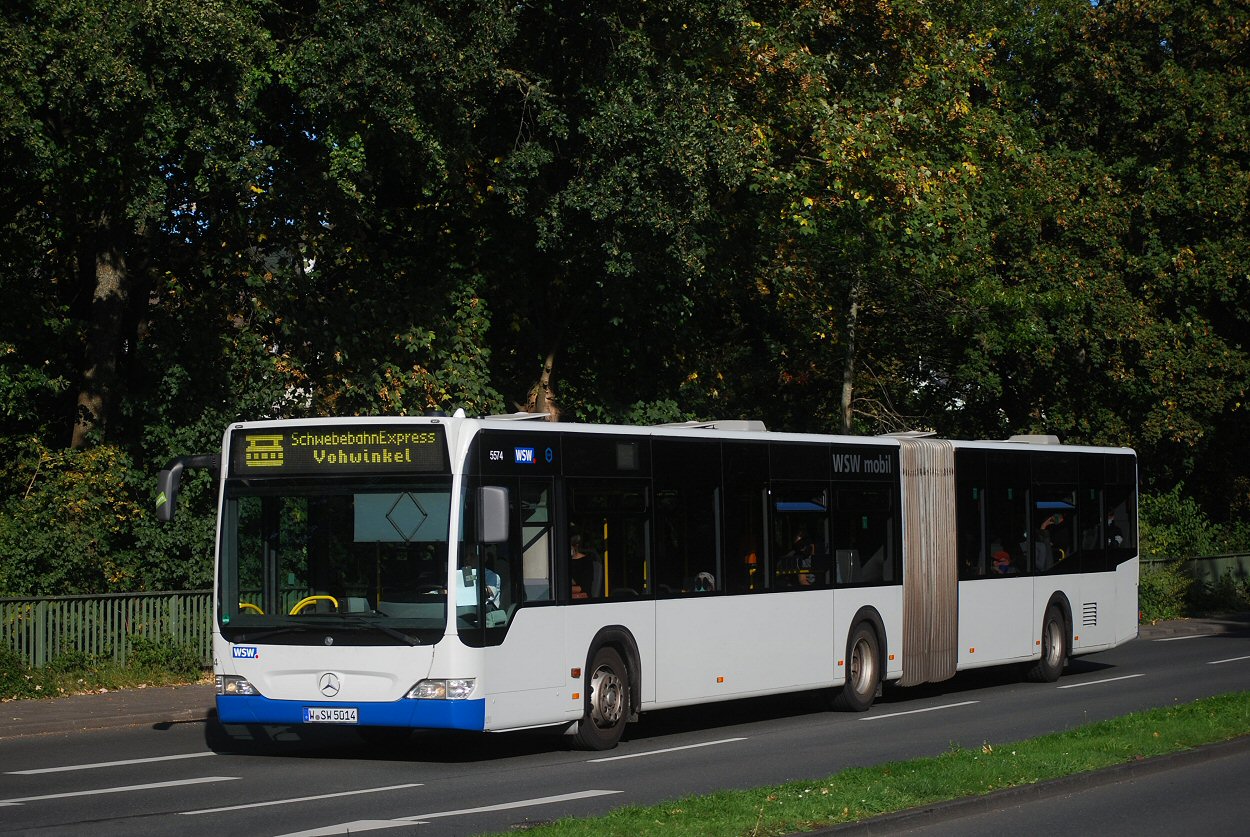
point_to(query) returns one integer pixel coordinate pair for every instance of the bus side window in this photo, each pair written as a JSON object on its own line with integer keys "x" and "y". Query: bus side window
{"x": 1007, "y": 513}
{"x": 863, "y": 526}
{"x": 745, "y": 568}
{"x": 975, "y": 555}
{"x": 536, "y": 541}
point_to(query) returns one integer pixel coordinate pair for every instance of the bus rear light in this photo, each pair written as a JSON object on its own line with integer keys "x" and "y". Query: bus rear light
{"x": 455, "y": 689}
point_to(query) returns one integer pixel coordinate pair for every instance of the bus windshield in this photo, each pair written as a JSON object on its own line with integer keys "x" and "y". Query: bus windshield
{"x": 297, "y": 554}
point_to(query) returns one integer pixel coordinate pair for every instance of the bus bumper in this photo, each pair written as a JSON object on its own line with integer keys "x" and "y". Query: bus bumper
{"x": 417, "y": 714}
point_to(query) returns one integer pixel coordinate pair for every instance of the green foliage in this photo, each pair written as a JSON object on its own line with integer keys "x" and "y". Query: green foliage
{"x": 164, "y": 654}
{"x": 81, "y": 525}
{"x": 1229, "y": 594}
{"x": 1173, "y": 525}
{"x": 1163, "y": 591}
{"x": 15, "y": 677}
{"x": 154, "y": 662}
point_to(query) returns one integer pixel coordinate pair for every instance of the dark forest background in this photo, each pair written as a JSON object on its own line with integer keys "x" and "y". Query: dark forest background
{"x": 852, "y": 216}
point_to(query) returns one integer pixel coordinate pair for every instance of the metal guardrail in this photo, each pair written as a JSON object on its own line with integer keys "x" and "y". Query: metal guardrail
{"x": 42, "y": 629}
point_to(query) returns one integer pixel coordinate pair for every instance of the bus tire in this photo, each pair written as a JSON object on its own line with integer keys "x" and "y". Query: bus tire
{"x": 607, "y": 702}
{"x": 1054, "y": 648}
{"x": 863, "y": 670}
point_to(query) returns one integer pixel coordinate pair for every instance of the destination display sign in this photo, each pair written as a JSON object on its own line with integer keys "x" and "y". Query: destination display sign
{"x": 338, "y": 449}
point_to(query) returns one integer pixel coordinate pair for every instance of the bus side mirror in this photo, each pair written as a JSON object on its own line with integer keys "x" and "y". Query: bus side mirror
{"x": 168, "y": 480}
{"x": 492, "y": 514}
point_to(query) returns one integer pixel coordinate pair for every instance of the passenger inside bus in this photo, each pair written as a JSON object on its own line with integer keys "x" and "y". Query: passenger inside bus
{"x": 796, "y": 567}
{"x": 585, "y": 570}
{"x": 1001, "y": 559}
{"x": 701, "y": 583}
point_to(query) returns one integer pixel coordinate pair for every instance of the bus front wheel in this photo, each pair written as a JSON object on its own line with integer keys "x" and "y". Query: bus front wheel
{"x": 607, "y": 702}
{"x": 863, "y": 670}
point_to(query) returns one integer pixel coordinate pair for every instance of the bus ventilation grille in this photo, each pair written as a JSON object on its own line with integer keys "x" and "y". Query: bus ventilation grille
{"x": 1089, "y": 614}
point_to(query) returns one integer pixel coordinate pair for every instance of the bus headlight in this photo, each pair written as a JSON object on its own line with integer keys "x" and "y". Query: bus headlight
{"x": 232, "y": 684}
{"x": 458, "y": 689}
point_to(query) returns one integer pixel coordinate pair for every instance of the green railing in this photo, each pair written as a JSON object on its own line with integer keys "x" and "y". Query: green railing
{"x": 42, "y": 629}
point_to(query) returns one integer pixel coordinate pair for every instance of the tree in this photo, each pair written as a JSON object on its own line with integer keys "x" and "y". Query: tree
{"x": 1148, "y": 98}
{"x": 125, "y": 124}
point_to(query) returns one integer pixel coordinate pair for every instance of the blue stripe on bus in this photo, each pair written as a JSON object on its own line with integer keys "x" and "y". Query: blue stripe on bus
{"x": 419, "y": 714}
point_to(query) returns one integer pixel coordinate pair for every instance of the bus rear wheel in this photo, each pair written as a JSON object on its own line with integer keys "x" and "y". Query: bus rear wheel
{"x": 863, "y": 670}
{"x": 607, "y": 702}
{"x": 1054, "y": 649}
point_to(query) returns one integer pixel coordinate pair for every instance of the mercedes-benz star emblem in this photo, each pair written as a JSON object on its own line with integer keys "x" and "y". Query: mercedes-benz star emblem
{"x": 329, "y": 684}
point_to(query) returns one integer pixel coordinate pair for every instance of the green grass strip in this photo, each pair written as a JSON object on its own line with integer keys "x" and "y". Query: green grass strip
{"x": 861, "y": 793}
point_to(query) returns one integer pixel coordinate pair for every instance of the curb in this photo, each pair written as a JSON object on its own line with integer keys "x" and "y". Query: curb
{"x": 1198, "y": 626}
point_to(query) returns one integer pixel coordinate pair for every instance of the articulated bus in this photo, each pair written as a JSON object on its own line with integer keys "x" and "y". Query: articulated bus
{"x": 499, "y": 573}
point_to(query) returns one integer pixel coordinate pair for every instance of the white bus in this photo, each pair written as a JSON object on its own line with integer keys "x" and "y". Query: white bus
{"x": 500, "y": 574}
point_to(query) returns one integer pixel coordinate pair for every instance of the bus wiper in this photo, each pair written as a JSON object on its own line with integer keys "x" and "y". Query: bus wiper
{"x": 284, "y": 628}
{"x": 386, "y": 629}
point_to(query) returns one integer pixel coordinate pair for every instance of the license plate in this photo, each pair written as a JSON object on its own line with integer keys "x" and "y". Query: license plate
{"x": 330, "y": 715}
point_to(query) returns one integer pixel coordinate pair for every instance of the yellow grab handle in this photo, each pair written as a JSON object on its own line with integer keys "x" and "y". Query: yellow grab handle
{"x": 250, "y": 606}
{"x": 306, "y": 601}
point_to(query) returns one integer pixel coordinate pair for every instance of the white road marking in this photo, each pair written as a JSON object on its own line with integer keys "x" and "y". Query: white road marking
{"x": 69, "y": 767}
{"x": 917, "y": 711}
{"x": 1179, "y": 638}
{"x": 401, "y": 822}
{"x": 298, "y": 799}
{"x": 1229, "y": 660}
{"x": 667, "y": 750}
{"x": 125, "y": 789}
{"x": 1100, "y": 682}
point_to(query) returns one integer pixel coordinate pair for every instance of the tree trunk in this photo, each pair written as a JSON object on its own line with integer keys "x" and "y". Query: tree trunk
{"x": 542, "y": 396}
{"x": 848, "y": 366}
{"x": 109, "y": 303}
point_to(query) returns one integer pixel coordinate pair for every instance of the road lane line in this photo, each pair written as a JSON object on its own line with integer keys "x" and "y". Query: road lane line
{"x": 1179, "y": 638}
{"x": 917, "y": 711}
{"x": 667, "y": 750}
{"x": 1229, "y": 660}
{"x": 69, "y": 767}
{"x": 1100, "y": 682}
{"x": 124, "y": 789}
{"x": 298, "y": 799}
{"x": 404, "y": 822}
